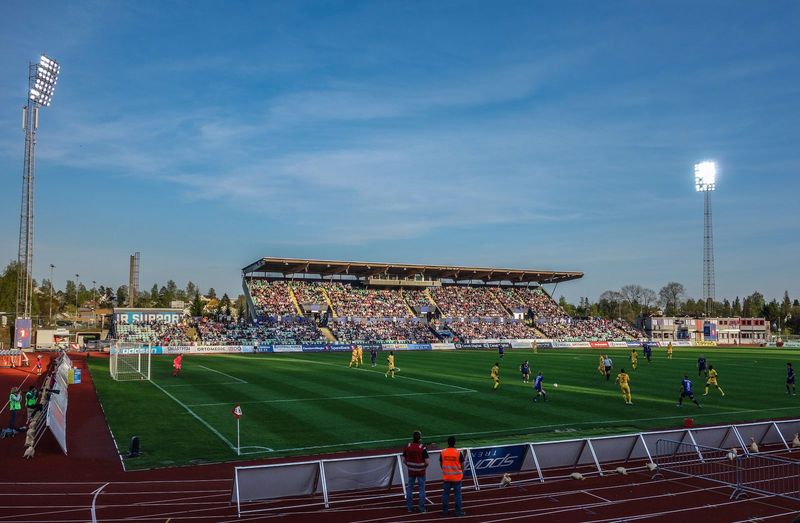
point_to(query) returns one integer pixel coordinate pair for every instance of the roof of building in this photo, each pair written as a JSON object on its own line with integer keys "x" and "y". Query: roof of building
{"x": 287, "y": 266}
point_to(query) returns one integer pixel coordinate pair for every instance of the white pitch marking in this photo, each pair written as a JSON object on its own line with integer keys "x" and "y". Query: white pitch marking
{"x": 218, "y": 372}
{"x": 194, "y": 415}
{"x": 522, "y": 429}
{"x": 289, "y": 400}
{"x": 381, "y": 372}
{"x": 201, "y": 384}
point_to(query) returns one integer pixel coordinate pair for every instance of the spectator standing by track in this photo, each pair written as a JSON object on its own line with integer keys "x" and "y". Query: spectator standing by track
{"x": 14, "y": 406}
{"x": 452, "y": 473}
{"x": 415, "y": 456}
{"x": 31, "y": 401}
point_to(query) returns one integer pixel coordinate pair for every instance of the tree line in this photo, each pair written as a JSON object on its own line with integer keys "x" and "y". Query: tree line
{"x": 46, "y": 298}
{"x": 629, "y": 302}
{"x": 633, "y": 301}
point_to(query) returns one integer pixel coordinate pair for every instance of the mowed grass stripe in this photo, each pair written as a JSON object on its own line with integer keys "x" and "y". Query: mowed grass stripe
{"x": 346, "y": 408}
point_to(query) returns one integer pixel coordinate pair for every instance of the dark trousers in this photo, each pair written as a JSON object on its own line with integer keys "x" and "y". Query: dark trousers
{"x": 456, "y": 487}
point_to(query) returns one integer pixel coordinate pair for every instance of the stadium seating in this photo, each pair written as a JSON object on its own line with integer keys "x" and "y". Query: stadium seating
{"x": 460, "y": 301}
{"x": 271, "y": 298}
{"x": 368, "y": 315}
{"x": 375, "y": 330}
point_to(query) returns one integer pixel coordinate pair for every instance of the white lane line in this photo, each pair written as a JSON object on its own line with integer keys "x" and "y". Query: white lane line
{"x": 327, "y": 398}
{"x": 399, "y": 375}
{"x": 596, "y": 496}
{"x": 94, "y": 501}
{"x": 195, "y": 416}
{"x": 218, "y": 372}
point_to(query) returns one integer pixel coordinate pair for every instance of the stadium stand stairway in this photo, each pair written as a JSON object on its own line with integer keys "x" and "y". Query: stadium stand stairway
{"x": 325, "y": 331}
{"x": 329, "y": 302}
{"x": 296, "y": 304}
{"x": 410, "y": 309}
{"x": 500, "y": 305}
{"x": 430, "y": 299}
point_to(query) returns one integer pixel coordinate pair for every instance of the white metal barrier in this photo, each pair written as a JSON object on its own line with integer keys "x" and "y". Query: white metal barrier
{"x": 308, "y": 483}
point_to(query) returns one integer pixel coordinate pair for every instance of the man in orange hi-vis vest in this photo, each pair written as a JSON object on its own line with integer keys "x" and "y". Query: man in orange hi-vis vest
{"x": 452, "y": 472}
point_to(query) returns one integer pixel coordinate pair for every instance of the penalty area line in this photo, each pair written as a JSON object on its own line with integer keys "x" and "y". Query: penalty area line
{"x": 195, "y": 416}
{"x": 263, "y": 449}
{"x": 464, "y": 389}
{"x": 218, "y": 372}
{"x": 327, "y": 398}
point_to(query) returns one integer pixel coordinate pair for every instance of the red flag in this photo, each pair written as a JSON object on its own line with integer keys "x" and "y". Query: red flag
{"x": 237, "y": 411}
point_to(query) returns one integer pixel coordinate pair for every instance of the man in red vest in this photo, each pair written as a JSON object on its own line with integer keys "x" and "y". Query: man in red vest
{"x": 415, "y": 456}
{"x": 452, "y": 472}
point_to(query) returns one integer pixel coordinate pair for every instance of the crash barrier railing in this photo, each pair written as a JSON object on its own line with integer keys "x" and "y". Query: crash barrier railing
{"x": 306, "y": 483}
{"x": 750, "y": 472}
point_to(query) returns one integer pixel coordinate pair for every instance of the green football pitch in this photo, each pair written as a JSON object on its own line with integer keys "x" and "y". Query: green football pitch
{"x": 312, "y": 403}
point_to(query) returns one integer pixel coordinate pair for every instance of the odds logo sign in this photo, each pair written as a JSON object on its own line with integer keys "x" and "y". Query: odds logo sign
{"x": 497, "y": 460}
{"x": 22, "y": 333}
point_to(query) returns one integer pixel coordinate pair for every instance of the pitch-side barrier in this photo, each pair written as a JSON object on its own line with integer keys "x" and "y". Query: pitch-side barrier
{"x": 262, "y": 488}
{"x": 743, "y": 473}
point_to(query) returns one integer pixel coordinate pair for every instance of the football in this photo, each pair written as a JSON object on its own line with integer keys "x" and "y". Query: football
{"x": 555, "y": 385}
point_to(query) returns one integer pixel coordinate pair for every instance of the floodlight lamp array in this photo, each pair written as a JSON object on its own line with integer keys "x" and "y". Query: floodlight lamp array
{"x": 705, "y": 176}
{"x": 44, "y": 84}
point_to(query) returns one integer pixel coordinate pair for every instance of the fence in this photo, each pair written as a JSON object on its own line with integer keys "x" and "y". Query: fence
{"x": 308, "y": 483}
{"x": 742, "y": 472}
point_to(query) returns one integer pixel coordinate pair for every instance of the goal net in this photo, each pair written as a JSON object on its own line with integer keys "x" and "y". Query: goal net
{"x": 129, "y": 361}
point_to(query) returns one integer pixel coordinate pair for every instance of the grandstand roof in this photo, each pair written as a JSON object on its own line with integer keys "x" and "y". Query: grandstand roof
{"x": 288, "y": 266}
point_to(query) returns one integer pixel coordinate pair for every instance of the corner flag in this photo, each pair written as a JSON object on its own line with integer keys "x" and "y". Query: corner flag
{"x": 237, "y": 411}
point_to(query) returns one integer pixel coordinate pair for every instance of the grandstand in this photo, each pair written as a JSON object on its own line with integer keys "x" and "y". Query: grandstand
{"x": 293, "y": 301}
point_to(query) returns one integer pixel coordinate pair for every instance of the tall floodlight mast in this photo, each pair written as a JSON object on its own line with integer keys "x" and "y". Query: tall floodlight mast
{"x": 42, "y": 77}
{"x": 705, "y": 181}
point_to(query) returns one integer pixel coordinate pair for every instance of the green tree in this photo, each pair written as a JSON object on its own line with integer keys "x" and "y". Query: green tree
{"x": 197, "y": 306}
{"x": 736, "y": 308}
{"x": 191, "y": 290}
{"x": 122, "y": 295}
{"x": 725, "y": 308}
{"x": 786, "y": 305}
{"x": 671, "y": 297}
{"x": 568, "y": 307}
{"x": 70, "y": 290}
{"x": 241, "y": 306}
{"x": 754, "y": 305}
{"x": 211, "y": 293}
{"x": 171, "y": 291}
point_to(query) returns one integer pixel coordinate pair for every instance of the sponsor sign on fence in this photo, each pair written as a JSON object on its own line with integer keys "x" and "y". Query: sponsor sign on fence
{"x": 704, "y": 343}
{"x": 287, "y": 348}
{"x": 129, "y": 317}
{"x": 477, "y": 345}
{"x": 443, "y": 346}
{"x": 497, "y": 460}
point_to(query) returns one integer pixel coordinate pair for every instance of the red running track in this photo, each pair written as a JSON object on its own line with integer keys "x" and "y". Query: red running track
{"x": 90, "y": 483}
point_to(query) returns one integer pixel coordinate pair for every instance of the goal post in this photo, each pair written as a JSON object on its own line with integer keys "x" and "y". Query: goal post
{"x": 129, "y": 361}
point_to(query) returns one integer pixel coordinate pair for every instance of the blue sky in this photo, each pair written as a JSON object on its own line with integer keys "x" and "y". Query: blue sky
{"x": 556, "y": 135}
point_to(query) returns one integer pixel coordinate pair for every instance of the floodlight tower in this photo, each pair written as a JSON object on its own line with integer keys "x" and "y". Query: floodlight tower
{"x": 705, "y": 181}
{"x": 42, "y": 77}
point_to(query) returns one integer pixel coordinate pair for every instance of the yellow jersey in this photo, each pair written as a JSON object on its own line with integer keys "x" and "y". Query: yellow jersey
{"x": 622, "y": 379}
{"x": 391, "y": 361}
{"x": 495, "y": 371}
